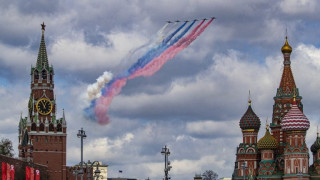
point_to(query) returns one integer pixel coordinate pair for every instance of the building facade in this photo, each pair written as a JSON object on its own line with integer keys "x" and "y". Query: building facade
{"x": 283, "y": 152}
{"x": 43, "y": 136}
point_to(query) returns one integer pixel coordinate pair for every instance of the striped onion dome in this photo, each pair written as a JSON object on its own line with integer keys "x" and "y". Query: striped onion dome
{"x": 267, "y": 141}
{"x": 249, "y": 120}
{"x": 295, "y": 120}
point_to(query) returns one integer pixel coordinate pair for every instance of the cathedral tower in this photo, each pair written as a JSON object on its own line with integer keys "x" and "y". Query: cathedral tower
{"x": 42, "y": 136}
{"x": 315, "y": 167}
{"x": 296, "y": 154}
{"x": 284, "y": 97}
{"x": 248, "y": 156}
{"x": 267, "y": 166}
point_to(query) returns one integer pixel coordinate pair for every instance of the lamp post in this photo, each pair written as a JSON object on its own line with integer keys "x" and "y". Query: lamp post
{"x": 82, "y": 135}
{"x": 97, "y": 172}
{"x": 89, "y": 166}
{"x": 244, "y": 165}
{"x": 75, "y": 172}
{"x": 165, "y": 151}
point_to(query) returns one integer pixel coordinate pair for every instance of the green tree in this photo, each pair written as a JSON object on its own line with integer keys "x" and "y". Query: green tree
{"x": 210, "y": 175}
{"x": 6, "y": 148}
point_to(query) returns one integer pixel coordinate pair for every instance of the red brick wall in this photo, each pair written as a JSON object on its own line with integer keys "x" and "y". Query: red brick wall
{"x": 20, "y": 167}
{"x": 51, "y": 151}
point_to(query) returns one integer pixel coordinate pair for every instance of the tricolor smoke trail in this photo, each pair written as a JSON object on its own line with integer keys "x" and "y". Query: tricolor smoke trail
{"x": 147, "y": 65}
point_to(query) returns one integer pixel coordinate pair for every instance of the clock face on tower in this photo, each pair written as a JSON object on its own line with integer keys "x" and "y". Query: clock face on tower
{"x": 44, "y": 106}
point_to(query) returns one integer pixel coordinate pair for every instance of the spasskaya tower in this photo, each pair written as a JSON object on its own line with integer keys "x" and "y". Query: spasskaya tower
{"x": 42, "y": 136}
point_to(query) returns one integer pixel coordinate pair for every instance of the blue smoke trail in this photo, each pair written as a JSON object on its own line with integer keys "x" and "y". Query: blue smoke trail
{"x": 151, "y": 53}
{"x": 167, "y": 44}
{"x": 145, "y": 59}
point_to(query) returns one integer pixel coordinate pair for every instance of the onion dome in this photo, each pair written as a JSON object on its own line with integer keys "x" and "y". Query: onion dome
{"x": 316, "y": 145}
{"x": 313, "y": 149}
{"x": 249, "y": 120}
{"x": 286, "y": 48}
{"x": 295, "y": 120}
{"x": 267, "y": 141}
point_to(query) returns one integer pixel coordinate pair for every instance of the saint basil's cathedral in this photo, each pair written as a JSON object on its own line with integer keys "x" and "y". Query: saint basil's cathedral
{"x": 282, "y": 153}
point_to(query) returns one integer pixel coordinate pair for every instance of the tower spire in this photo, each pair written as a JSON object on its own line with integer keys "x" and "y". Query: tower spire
{"x": 287, "y": 83}
{"x": 42, "y": 60}
{"x": 286, "y": 32}
{"x": 249, "y": 99}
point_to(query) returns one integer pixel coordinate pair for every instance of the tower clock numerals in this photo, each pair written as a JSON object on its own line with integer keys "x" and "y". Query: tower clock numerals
{"x": 44, "y": 106}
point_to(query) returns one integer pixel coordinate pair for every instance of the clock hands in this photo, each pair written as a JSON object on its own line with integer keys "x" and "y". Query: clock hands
{"x": 43, "y": 103}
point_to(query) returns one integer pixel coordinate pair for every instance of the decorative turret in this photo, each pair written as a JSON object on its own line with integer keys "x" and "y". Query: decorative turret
{"x": 316, "y": 145}
{"x": 267, "y": 141}
{"x": 267, "y": 144}
{"x": 247, "y": 151}
{"x": 295, "y": 120}
{"x": 64, "y": 123}
{"x": 315, "y": 149}
{"x": 249, "y": 120}
{"x": 287, "y": 81}
{"x": 295, "y": 124}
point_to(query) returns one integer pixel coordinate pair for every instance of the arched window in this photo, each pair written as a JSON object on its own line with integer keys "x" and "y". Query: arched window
{"x": 44, "y": 74}
{"x": 36, "y": 74}
{"x": 51, "y": 127}
{"x": 250, "y": 150}
{"x": 59, "y": 128}
{"x": 41, "y": 127}
{"x": 33, "y": 127}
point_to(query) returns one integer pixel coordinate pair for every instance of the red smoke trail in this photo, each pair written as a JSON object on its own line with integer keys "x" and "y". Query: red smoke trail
{"x": 168, "y": 54}
{"x": 102, "y": 104}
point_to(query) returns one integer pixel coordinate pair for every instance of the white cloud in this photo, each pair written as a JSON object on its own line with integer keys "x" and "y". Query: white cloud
{"x": 186, "y": 167}
{"x": 15, "y": 58}
{"x": 109, "y": 149}
{"x": 77, "y": 55}
{"x": 299, "y": 6}
{"x": 213, "y": 129}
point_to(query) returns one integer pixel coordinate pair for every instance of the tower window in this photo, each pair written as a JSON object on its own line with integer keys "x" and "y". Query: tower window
{"x": 33, "y": 127}
{"x": 41, "y": 127}
{"x": 59, "y": 128}
{"x": 51, "y": 127}
{"x": 44, "y": 74}
{"x": 36, "y": 74}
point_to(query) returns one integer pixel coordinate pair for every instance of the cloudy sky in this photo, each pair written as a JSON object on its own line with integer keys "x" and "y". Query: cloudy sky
{"x": 193, "y": 104}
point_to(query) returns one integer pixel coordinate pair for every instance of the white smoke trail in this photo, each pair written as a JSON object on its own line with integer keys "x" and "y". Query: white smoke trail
{"x": 94, "y": 90}
{"x": 138, "y": 52}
